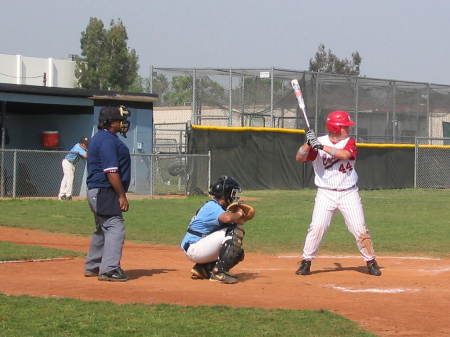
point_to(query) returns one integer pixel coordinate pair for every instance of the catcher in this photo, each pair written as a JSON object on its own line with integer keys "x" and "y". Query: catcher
{"x": 214, "y": 236}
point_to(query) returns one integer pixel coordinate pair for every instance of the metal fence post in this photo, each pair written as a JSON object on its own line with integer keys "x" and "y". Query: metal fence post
{"x": 271, "y": 98}
{"x": 416, "y": 153}
{"x": 2, "y": 170}
{"x": 316, "y": 104}
{"x": 195, "y": 119}
{"x": 152, "y": 180}
{"x": 230, "y": 110}
{"x": 14, "y": 174}
{"x": 356, "y": 106}
{"x": 151, "y": 79}
{"x": 209, "y": 169}
{"x": 430, "y": 125}
{"x": 2, "y": 141}
{"x": 242, "y": 99}
{"x": 394, "y": 114}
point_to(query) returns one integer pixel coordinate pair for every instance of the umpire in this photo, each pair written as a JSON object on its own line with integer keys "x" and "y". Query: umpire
{"x": 108, "y": 167}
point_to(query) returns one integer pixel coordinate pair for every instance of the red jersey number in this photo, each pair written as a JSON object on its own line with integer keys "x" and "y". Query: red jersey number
{"x": 346, "y": 168}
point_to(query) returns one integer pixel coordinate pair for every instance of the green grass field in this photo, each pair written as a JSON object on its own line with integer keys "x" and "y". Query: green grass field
{"x": 12, "y": 251}
{"x": 28, "y": 316}
{"x": 402, "y": 222}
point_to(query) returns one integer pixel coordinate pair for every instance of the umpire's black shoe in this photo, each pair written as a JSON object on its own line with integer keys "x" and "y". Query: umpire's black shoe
{"x": 304, "y": 268}
{"x": 115, "y": 275}
{"x": 373, "y": 268}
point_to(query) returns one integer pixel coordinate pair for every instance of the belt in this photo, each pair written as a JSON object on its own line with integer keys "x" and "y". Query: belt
{"x": 73, "y": 163}
{"x": 338, "y": 189}
{"x": 202, "y": 235}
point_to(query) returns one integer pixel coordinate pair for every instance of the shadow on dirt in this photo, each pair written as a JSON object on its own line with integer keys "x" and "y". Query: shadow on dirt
{"x": 243, "y": 277}
{"x": 359, "y": 269}
{"x": 134, "y": 274}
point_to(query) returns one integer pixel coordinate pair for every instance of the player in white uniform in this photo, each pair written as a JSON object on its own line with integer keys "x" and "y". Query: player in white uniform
{"x": 333, "y": 158}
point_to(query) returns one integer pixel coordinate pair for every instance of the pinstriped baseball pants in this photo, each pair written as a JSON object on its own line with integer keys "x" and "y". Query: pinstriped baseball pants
{"x": 327, "y": 202}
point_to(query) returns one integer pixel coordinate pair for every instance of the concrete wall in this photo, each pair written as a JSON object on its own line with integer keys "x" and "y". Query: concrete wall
{"x": 18, "y": 69}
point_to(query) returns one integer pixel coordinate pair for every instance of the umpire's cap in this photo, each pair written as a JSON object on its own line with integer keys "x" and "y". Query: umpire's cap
{"x": 111, "y": 113}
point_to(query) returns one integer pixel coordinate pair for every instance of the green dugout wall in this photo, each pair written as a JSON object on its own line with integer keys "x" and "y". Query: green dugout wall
{"x": 264, "y": 158}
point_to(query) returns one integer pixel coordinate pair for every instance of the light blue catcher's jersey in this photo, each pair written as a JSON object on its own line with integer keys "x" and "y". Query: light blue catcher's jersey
{"x": 205, "y": 221}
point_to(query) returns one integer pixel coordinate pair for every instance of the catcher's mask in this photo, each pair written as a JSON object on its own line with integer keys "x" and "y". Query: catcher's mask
{"x": 111, "y": 114}
{"x": 226, "y": 188}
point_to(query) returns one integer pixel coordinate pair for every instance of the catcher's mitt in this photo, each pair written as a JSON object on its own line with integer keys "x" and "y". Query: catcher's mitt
{"x": 249, "y": 211}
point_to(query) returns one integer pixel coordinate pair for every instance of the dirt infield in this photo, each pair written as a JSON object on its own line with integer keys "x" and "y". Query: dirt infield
{"x": 411, "y": 298}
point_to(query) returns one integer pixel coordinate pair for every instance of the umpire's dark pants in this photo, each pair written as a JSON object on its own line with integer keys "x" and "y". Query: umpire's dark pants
{"x": 105, "y": 251}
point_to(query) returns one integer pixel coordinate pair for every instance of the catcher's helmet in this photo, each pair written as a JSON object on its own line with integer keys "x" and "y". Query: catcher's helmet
{"x": 226, "y": 188}
{"x": 337, "y": 119}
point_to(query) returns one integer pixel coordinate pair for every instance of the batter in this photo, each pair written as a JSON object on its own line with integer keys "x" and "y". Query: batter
{"x": 333, "y": 157}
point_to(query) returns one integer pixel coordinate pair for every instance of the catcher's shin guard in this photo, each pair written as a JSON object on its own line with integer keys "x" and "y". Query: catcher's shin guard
{"x": 231, "y": 252}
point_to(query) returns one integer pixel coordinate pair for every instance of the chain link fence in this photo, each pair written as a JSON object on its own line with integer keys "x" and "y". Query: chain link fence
{"x": 169, "y": 138}
{"x": 36, "y": 173}
{"x": 432, "y": 163}
{"x": 386, "y": 111}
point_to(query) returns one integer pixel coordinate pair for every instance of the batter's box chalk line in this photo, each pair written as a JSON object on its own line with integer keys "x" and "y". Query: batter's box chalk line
{"x": 359, "y": 257}
{"x": 372, "y": 290}
{"x": 436, "y": 270}
{"x": 261, "y": 269}
{"x": 39, "y": 260}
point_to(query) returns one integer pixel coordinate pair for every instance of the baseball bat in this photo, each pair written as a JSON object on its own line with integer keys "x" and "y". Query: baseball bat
{"x": 301, "y": 102}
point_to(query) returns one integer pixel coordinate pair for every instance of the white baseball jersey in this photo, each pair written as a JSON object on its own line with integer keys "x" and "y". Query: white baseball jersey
{"x": 333, "y": 173}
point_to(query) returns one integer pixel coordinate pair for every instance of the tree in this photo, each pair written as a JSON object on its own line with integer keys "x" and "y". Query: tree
{"x": 181, "y": 91}
{"x": 208, "y": 92}
{"x": 160, "y": 86}
{"x": 327, "y": 62}
{"x": 106, "y": 62}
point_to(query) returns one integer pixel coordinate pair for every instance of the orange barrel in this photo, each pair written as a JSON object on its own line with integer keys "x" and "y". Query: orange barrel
{"x": 50, "y": 138}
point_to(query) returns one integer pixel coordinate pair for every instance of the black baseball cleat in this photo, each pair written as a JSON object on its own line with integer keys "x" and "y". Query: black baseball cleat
{"x": 373, "y": 268}
{"x": 115, "y": 275}
{"x": 200, "y": 271}
{"x": 223, "y": 277}
{"x": 304, "y": 268}
{"x": 91, "y": 272}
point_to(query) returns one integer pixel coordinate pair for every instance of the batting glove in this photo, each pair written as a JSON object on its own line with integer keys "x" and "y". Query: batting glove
{"x": 315, "y": 144}
{"x": 310, "y": 135}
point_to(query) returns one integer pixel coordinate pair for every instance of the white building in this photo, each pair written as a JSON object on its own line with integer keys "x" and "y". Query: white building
{"x": 50, "y": 72}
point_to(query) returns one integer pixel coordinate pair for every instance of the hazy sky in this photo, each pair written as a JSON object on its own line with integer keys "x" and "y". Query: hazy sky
{"x": 397, "y": 39}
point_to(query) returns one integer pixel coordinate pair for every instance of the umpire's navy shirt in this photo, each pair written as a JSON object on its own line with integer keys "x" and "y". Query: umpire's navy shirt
{"x": 107, "y": 154}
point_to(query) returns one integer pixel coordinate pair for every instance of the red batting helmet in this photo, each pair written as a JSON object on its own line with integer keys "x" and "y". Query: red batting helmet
{"x": 337, "y": 119}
